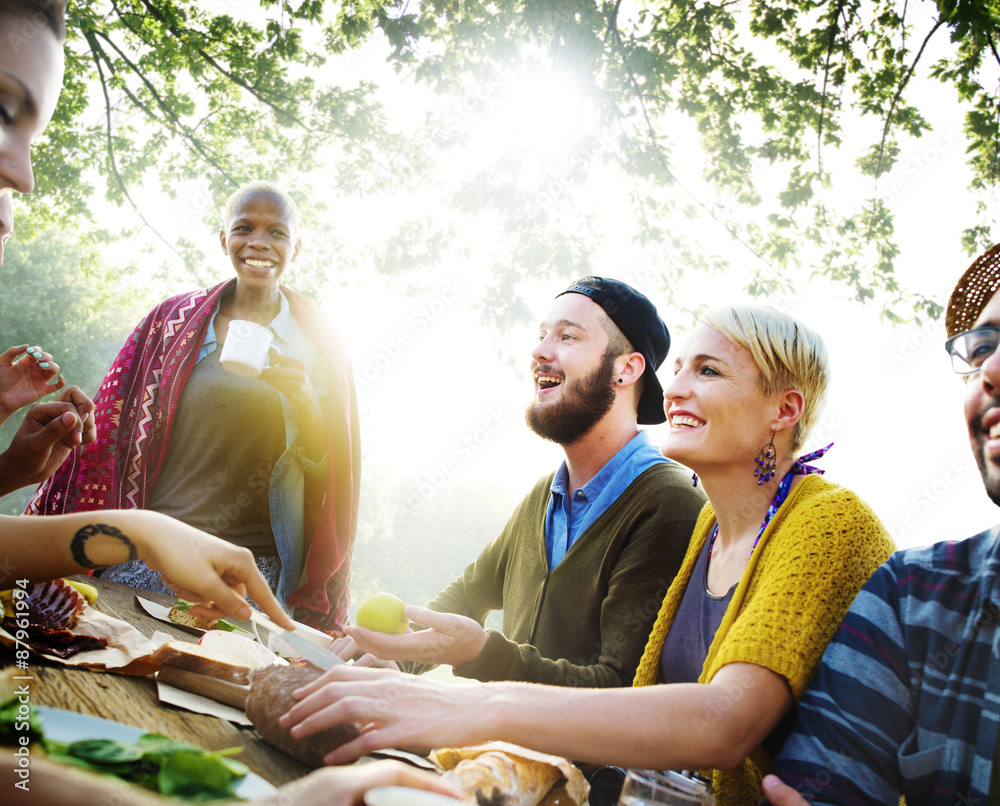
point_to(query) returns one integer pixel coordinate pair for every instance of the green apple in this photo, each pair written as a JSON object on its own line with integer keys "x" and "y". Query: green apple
{"x": 383, "y": 612}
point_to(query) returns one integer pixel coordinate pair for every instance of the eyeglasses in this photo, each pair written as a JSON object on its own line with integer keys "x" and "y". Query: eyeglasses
{"x": 971, "y": 349}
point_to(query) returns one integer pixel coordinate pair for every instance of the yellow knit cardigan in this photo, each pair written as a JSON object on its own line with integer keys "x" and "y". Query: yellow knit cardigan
{"x": 816, "y": 553}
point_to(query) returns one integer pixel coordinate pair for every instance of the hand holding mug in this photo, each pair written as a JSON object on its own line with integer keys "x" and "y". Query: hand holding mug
{"x": 247, "y": 348}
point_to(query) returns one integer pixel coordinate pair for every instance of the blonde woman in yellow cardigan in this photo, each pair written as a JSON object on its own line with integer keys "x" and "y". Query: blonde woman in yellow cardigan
{"x": 774, "y": 562}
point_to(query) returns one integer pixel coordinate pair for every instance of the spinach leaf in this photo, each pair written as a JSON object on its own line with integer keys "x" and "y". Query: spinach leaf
{"x": 104, "y": 751}
{"x": 168, "y": 766}
{"x": 195, "y": 776}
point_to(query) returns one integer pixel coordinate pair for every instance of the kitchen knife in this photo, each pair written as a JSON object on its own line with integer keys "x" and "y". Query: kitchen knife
{"x": 316, "y": 655}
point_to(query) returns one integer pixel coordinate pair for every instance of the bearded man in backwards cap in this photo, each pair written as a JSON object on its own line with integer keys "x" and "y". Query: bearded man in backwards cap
{"x": 582, "y": 565}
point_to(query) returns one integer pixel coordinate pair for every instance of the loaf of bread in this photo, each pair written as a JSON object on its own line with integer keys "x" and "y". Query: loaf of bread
{"x": 203, "y": 660}
{"x": 271, "y": 696}
{"x": 505, "y": 774}
{"x": 498, "y": 779}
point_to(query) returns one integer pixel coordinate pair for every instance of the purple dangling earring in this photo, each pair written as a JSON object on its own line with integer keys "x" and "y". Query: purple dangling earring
{"x": 694, "y": 479}
{"x": 766, "y": 462}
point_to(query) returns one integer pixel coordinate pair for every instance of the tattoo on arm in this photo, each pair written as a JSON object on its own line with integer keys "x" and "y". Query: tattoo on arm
{"x": 87, "y": 532}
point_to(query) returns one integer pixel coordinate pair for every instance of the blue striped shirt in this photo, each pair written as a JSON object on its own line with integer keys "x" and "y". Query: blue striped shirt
{"x": 907, "y": 700}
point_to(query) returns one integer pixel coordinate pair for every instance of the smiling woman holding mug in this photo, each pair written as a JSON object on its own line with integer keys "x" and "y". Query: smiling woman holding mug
{"x": 271, "y": 463}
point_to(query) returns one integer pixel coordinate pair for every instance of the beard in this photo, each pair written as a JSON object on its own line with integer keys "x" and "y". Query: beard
{"x": 987, "y": 470}
{"x": 583, "y": 404}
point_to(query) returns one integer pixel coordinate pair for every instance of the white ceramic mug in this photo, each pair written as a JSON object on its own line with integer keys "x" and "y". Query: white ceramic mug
{"x": 246, "y": 349}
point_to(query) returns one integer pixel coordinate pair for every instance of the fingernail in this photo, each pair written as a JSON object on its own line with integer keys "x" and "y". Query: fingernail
{"x": 43, "y": 364}
{"x": 20, "y": 346}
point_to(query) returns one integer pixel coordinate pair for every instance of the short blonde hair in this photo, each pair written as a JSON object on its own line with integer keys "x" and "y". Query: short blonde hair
{"x": 787, "y": 353}
{"x": 259, "y": 186}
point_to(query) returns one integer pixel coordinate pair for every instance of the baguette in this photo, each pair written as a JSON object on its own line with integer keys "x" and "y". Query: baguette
{"x": 203, "y": 660}
{"x": 498, "y": 779}
{"x": 523, "y": 779}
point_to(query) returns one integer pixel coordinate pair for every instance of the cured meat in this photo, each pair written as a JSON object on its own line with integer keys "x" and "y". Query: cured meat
{"x": 54, "y": 604}
{"x": 58, "y": 643}
{"x": 53, "y": 608}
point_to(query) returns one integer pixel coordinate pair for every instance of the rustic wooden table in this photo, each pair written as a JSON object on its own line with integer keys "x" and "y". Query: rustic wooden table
{"x": 133, "y": 700}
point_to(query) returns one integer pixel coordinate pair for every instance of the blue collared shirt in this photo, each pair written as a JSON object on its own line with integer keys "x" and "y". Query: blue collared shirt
{"x": 567, "y": 518}
{"x": 287, "y": 485}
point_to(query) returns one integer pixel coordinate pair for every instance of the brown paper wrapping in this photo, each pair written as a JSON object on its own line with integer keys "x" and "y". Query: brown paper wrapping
{"x": 127, "y": 651}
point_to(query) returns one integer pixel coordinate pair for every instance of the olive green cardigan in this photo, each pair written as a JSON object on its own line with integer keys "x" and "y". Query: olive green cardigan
{"x": 586, "y": 622}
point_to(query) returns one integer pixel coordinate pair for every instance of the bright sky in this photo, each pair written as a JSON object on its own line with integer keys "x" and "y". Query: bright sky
{"x": 438, "y": 405}
{"x": 442, "y": 397}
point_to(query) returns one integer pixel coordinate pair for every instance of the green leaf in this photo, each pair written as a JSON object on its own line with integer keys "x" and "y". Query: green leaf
{"x": 196, "y": 776}
{"x": 104, "y": 751}
{"x": 227, "y": 626}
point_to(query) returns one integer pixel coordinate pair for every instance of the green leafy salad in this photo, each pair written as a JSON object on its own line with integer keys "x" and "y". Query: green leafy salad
{"x": 172, "y": 768}
{"x": 158, "y": 763}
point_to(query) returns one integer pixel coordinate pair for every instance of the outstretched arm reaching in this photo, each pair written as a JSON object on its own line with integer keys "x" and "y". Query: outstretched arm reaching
{"x": 196, "y": 565}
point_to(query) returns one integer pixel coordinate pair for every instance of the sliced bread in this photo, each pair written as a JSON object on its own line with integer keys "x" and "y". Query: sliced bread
{"x": 203, "y": 660}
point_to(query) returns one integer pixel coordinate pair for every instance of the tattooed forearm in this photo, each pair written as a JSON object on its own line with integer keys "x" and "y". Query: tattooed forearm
{"x": 77, "y": 547}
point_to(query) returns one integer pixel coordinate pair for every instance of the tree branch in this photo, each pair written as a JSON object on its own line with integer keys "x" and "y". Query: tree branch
{"x": 112, "y": 162}
{"x": 160, "y": 102}
{"x": 651, "y": 131}
{"x": 834, "y": 28}
{"x": 993, "y": 47}
{"x": 612, "y": 22}
{"x": 903, "y": 81}
{"x": 257, "y": 93}
{"x": 899, "y": 92}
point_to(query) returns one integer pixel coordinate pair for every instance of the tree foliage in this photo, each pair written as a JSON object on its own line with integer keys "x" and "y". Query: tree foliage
{"x": 766, "y": 88}
{"x": 766, "y": 84}
{"x": 58, "y": 295}
{"x": 176, "y": 91}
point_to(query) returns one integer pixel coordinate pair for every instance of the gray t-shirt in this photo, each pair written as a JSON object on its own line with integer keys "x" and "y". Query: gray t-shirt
{"x": 228, "y": 432}
{"x": 693, "y": 629}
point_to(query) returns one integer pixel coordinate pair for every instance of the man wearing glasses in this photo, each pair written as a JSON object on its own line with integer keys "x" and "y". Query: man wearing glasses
{"x": 907, "y": 699}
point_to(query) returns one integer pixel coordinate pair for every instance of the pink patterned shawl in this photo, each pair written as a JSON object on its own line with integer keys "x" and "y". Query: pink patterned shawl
{"x": 135, "y": 410}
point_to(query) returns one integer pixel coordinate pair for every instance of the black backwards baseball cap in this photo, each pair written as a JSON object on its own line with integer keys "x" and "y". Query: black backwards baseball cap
{"x": 637, "y": 318}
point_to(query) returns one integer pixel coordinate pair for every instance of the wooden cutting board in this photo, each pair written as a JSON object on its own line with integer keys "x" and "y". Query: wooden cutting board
{"x": 211, "y": 687}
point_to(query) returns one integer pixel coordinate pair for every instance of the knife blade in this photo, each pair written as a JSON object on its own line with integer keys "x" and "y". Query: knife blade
{"x": 316, "y": 655}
